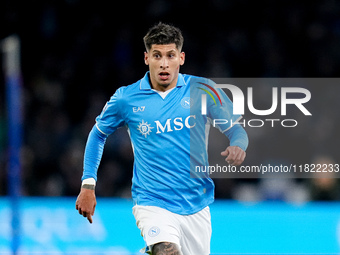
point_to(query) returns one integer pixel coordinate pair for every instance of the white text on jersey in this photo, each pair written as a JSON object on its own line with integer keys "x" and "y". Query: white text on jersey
{"x": 138, "y": 109}
{"x": 176, "y": 124}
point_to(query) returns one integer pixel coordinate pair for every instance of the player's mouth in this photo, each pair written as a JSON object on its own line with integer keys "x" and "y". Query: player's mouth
{"x": 164, "y": 76}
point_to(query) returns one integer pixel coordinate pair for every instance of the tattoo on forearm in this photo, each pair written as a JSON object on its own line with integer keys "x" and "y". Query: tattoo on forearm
{"x": 88, "y": 186}
{"x": 166, "y": 249}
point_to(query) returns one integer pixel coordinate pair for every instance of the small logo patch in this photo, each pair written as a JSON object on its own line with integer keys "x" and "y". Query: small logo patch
{"x": 154, "y": 231}
{"x": 144, "y": 128}
{"x": 138, "y": 109}
{"x": 187, "y": 102}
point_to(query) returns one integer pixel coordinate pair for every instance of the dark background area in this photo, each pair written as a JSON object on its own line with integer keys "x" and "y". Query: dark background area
{"x": 75, "y": 54}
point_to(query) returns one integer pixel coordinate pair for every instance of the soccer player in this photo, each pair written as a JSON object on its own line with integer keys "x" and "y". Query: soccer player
{"x": 168, "y": 129}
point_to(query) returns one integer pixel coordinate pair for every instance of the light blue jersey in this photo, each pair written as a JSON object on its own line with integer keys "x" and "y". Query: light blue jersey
{"x": 169, "y": 137}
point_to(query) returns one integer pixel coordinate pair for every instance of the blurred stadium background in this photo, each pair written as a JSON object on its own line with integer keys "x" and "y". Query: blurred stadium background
{"x": 75, "y": 54}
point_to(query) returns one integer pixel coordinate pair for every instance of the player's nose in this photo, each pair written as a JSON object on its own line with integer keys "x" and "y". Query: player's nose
{"x": 164, "y": 63}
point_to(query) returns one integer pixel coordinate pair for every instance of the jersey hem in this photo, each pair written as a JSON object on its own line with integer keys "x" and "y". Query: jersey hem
{"x": 161, "y": 204}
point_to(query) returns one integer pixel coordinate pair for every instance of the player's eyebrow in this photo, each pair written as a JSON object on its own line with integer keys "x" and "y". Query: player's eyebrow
{"x": 157, "y": 51}
{"x": 171, "y": 51}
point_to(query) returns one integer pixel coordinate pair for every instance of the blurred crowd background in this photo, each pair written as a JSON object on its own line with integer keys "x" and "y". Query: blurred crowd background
{"x": 75, "y": 54}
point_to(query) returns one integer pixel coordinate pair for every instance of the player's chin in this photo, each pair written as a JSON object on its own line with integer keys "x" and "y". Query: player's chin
{"x": 164, "y": 83}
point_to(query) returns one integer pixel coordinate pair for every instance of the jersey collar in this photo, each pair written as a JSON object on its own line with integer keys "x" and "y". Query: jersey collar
{"x": 146, "y": 85}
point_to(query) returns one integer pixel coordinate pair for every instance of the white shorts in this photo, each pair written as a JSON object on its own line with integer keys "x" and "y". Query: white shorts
{"x": 192, "y": 233}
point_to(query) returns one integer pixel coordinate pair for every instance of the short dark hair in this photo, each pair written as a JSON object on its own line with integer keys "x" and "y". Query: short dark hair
{"x": 163, "y": 34}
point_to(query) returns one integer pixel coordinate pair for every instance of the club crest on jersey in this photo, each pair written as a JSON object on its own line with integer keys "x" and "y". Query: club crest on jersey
{"x": 144, "y": 128}
{"x": 187, "y": 102}
{"x": 154, "y": 231}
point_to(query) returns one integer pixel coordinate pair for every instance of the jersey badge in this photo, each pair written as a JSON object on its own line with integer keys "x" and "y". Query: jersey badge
{"x": 187, "y": 102}
{"x": 144, "y": 128}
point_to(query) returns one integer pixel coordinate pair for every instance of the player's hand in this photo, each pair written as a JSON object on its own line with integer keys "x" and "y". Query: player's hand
{"x": 86, "y": 203}
{"x": 235, "y": 155}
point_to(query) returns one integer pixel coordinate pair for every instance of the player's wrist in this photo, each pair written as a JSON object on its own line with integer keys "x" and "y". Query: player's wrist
{"x": 89, "y": 183}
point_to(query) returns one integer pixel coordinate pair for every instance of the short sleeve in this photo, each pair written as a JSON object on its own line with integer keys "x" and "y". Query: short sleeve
{"x": 111, "y": 116}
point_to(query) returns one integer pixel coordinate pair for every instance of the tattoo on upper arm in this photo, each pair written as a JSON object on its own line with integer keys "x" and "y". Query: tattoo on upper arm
{"x": 166, "y": 249}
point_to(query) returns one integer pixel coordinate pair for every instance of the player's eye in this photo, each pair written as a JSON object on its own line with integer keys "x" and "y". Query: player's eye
{"x": 156, "y": 55}
{"x": 171, "y": 55}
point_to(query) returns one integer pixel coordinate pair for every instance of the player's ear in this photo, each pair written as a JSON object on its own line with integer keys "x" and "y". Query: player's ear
{"x": 182, "y": 58}
{"x": 146, "y": 58}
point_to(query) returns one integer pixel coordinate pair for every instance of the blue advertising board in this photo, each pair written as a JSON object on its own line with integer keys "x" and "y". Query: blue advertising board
{"x": 53, "y": 226}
